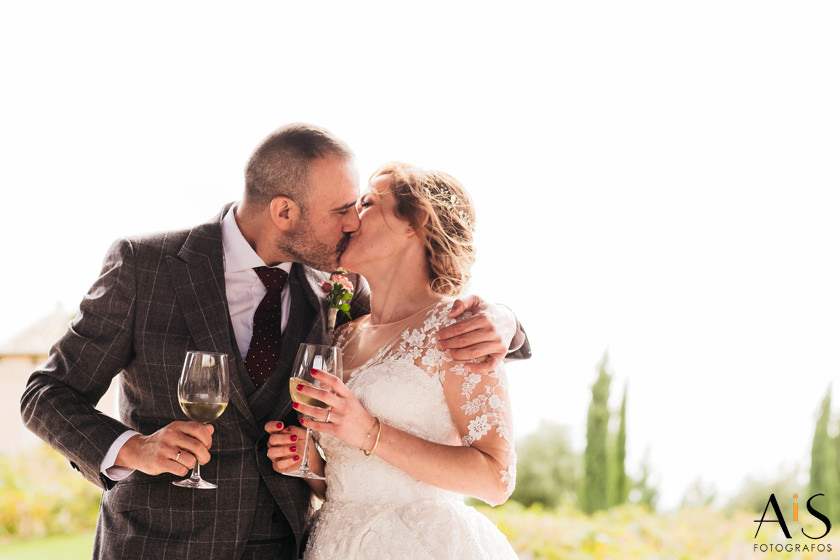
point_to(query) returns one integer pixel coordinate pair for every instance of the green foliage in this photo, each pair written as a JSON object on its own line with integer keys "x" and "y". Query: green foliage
{"x": 547, "y": 470}
{"x": 836, "y": 440}
{"x": 619, "y": 488}
{"x": 634, "y": 532}
{"x": 41, "y": 495}
{"x": 699, "y": 494}
{"x": 755, "y": 492}
{"x": 595, "y": 457}
{"x": 825, "y": 474}
{"x": 643, "y": 490}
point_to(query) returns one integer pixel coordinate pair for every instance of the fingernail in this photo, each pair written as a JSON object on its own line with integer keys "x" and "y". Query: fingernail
{"x": 293, "y": 449}
{"x": 295, "y": 405}
{"x": 299, "y": 387}
{"x": 279, "y": 425}
{"x": 293, "y": 438}
{"x": 313, "y": 371}
{"x": 297, "y": 458}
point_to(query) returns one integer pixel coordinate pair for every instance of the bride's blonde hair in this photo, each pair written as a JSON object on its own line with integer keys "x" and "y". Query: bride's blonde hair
{"x": 437, "y": 206}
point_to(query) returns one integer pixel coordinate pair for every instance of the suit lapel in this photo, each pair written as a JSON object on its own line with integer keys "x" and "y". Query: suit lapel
{"x": 198, "y": 278}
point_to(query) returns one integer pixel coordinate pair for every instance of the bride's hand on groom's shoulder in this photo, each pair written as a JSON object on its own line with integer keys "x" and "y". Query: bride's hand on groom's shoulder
{"x": 483, "y": 338}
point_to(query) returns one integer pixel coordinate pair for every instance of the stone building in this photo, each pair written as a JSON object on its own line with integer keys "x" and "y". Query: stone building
{"x": 18, "y": 358}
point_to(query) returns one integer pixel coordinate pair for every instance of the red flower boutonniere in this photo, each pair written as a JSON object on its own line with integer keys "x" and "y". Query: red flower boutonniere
{"x": 339, "y": 292}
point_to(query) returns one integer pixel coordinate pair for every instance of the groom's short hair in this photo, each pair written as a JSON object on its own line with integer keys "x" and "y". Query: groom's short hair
{"x": 280, "y": 165}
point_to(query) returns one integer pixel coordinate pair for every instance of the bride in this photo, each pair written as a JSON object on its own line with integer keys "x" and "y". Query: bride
{"x": 411, "y": 431}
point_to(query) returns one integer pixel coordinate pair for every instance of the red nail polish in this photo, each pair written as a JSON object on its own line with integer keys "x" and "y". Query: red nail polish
{"x": 297, "y": 458}
{"x": 293, "y": 438}
{"x": 279, "y": 425}
{"x": 314, "y": 371}
{"x": 299, "y": 387}
{"x": 292, "y": 449}
{"x": 295, "y": 405}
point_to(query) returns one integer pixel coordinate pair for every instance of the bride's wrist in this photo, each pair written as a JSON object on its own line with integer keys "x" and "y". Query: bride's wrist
{"x": 371, "y": 430}
{"x": 372, "y": 437}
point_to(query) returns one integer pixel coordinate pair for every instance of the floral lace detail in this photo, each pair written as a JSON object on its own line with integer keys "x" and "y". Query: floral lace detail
{"x": 487, "y": 410}
{"x": 373, "y": 509}
{"x": 488, "y": 413}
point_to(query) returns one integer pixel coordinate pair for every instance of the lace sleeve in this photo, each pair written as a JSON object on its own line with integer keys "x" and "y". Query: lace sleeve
{"x": 481, "y": 410}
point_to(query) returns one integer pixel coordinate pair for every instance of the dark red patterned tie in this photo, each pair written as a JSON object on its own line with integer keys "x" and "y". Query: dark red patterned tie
{"x": 264, "y": 350}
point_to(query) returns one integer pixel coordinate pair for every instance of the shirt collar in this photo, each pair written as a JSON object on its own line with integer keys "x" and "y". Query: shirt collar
{"x": 239, "y": 255}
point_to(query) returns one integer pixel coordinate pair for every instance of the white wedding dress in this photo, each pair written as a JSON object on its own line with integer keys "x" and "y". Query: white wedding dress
{"x": 374, "y": 510}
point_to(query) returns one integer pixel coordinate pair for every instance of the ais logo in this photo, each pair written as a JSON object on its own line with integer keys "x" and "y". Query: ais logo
{"x": 780, "y": 519}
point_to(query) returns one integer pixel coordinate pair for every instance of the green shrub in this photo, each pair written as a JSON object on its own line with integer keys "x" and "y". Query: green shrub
{"x": 634, "y": 532}
{"x": 41, "y": 495}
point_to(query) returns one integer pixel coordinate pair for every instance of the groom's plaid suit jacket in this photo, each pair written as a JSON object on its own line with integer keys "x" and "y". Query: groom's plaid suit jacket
{"x": 157, "y": 297}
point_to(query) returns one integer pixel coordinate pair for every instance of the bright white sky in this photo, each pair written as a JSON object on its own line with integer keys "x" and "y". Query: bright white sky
{"x": 654, "y": 179}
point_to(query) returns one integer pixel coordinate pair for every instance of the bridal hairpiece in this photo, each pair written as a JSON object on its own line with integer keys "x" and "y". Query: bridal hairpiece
{"x": 451, "y": 202}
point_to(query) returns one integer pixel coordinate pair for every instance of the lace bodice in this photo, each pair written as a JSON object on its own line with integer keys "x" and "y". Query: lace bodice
{"x": 373, "y": 509}
{"x": 413, "y": 386}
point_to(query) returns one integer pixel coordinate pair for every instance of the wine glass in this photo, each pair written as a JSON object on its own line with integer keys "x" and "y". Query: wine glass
{"x": 309, "y": 357}
{"x": 203, "y": 393}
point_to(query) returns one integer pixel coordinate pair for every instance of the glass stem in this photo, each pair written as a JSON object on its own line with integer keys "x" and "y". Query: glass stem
{"x": 196, "y": 474}
{"x": 304, "y": 465}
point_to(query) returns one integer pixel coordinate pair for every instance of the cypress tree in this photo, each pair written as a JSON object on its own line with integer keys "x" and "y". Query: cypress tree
{"x": 836, "y": 499}
{"x": 824, "y": 470}
{"x": 595, "y": 458}
{"x": 620, "y": 477}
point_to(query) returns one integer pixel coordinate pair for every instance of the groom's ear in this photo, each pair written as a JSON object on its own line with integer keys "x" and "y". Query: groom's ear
{"x": 284, "y": 212}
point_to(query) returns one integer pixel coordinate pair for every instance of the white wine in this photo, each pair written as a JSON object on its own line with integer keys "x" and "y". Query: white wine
{"x": 301, "y": 398}
{"x": 202, "y": 411}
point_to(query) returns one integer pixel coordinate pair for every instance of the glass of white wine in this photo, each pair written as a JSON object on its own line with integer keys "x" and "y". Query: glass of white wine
{"x": 203, "y": 392}
{"x": 309, "y": 357}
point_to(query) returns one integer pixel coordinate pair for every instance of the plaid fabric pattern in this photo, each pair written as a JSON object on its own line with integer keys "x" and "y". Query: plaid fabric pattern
{"x": 157, "y": 297}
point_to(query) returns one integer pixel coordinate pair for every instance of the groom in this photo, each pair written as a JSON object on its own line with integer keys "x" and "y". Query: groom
{"x": 159, "y": 296}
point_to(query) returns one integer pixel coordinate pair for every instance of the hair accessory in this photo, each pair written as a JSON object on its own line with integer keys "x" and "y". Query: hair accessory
{"x": 449, "y": 201}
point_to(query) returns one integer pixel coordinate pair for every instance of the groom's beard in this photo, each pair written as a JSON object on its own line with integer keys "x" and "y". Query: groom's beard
{"x": 305, "y": 248}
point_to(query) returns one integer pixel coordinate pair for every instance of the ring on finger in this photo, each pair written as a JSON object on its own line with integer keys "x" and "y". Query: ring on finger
{"x": 329, "y": 413}
{"x": 178, "y": 456}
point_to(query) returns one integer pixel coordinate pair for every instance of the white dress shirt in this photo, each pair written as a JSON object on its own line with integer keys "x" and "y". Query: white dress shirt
{"x": 243, "y": 287}
{"x": 244, "y": 291}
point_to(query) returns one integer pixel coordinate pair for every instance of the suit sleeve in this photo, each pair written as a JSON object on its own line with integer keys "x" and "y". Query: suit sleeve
{"x": 59, "y": 402}
{"x": 521, "y": 346}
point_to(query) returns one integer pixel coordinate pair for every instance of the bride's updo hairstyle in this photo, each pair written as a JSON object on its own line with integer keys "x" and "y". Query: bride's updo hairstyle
{"x": 438, "y": 207}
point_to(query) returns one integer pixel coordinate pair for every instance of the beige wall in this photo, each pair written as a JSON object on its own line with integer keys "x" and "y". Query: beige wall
{"x": 14, "y": 371}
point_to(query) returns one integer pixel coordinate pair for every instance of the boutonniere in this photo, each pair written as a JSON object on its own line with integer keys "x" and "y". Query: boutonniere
{"x": 339, "y": 292}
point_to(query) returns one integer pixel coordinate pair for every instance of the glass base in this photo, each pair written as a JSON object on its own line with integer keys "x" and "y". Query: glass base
{"x": 300, "y": 473}
{"x": 195, "y": 483}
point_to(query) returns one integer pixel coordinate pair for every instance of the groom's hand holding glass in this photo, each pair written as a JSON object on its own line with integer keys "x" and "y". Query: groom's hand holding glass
{"x": 180, "y": 447}
{"x": 158, "y": 453}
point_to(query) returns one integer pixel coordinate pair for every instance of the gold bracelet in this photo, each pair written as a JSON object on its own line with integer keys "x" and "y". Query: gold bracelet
{"x": 376, "y": 442}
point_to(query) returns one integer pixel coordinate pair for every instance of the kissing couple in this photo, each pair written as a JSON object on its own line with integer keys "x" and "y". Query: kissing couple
{"x": 423, "y": 418}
